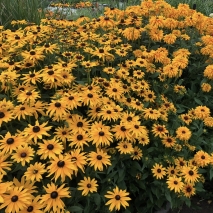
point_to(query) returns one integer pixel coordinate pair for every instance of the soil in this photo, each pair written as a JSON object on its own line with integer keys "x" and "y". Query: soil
{"x": 198, "y": 206}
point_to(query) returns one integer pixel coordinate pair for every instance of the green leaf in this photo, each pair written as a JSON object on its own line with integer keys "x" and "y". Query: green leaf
{"x": 198, "y": 101}
{"x": 97, "y": 199}
{"x": 137, "y": 165}
{"x": 168, "y": 196}
{"x": 211, "y": 173}
{"x": 75, "y": 209}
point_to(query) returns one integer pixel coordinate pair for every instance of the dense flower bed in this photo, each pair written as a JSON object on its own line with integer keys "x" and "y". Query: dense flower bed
{"x": 107, "y": 114}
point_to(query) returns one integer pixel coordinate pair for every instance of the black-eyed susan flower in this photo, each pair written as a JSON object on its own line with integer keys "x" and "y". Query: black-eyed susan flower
{"x": 175, "y": 183}
{"x": 5, "y": 116}
{"x": 35, "y": 172}
{"x": 183, "y": 133}
{"x": 10, "y": 143}
{"x": 117, "y": 198}
{"x": 78, "y": 158}
{"x": 78, "y": 124}
{"x": 5, "y": 186}
{"x": 78, "y": 140}
{"x": 52, "y": 200}
{"x": 144, "y": 139}
{"x": 5, "y": 165}
{"x": 61, "y": 166}
{"x": 49, "y": 148}
{"x": 188, "y": 190}
{"x": 63, "y": 134}
{"x": 16, "y": 199}
{"x": 206, "y": 87}
{"x": 172, "y": 171}
{"x": 150, "y": 113}
{"x": 36, "y": 131}
{"x": 28, "y": 96}
{"x": 190, "y": 174}
{"x": 159, "y": 130}
{"x": 102, "y": 52}
{"x": 202, "y": 112}
{"x": 158, "y": 171}
{"x": 202, "y": 158}
{"x": 101, "y": 137}
{"x": 34, "y": 206}
{"x": 136, "y": 153}
{"x": 125, "y": 147}
{"x": 33, "y": 55}
{"x": 23, "y": 154}
{"x": 87, "y": 185}
{"x": 168, "y": 141}
{"x": 98, "y": 159}
{"x": 21, "y": 111}
{"x": 57, "y": 108}
{"x": 72, "y": 100}
{"x": 32, "y": 77}
{"x": 122, "y": 132}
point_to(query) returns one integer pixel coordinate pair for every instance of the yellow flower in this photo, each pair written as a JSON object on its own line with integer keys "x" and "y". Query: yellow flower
{"x": 175, "y": 183}
{"x": 158, "y": 171}
{"x": 52, "y": 198}
{"x": 98, "y": 159}
{"x": 88, "y": 185}
{"x": 117, "y": 198}
{"x": 183, "y": 133}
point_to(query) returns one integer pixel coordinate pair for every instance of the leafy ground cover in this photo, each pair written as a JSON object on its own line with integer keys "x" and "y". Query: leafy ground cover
{"x": 107, "y": 114}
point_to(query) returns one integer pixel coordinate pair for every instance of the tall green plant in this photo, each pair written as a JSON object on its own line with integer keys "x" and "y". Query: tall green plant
{"x": 30, "y": 10}
{"x": 205, "y": 6}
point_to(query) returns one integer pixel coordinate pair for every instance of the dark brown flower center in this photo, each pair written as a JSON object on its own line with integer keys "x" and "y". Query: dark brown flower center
{"x": 114, "y": 90}
{"x": 123, "y": 129}
{"x": 30, "y": 209}
{"x": 99, "y": 157}
{"x": 57, "y": 104}
{"x": 10, "y": 141}
{"x": 54, "y": 194}
{"x": 191, "y": 172}
{"x": 117, "y": 197}
{"x": 14, "y": 198}
{"x": 35, "y": 171}
{"x": 36, "y": 129}
{"x": 71, "y": 98}
{"x": 80, "y": 124}
{"x": 23, "y": 154}
{"x": 50, "y": 72}
{"x": 50, "y": 147}
{"x": 80, "y": 137}
{"x": 22, "y": 108}
{"x": 159, "y": 170}
{"x": 101, "y": 50}
{"x": 90, "y": 95}
{"x": 61, "y": 163}
{"x": 32, "y": 52}
{"x": 188, "y": 189}
{"x": 136, "y": 127}
{"x": 160, "y": 129}
{"x": 101, "y": 133}
{"x": 29, "y": 93}
{"x": 89, "y": 185}
{"x": 175, "y": 182}
{"x": 32, "y": 75}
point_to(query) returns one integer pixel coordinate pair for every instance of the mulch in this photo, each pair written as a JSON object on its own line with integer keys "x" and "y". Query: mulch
{"x": 198, "y": 206}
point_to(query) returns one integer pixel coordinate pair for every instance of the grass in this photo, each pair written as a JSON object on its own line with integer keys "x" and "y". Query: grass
{"x": 34, "y": 10}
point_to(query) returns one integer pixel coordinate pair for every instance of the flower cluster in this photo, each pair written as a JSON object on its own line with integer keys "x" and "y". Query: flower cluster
{"x": 114, "y": 110}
